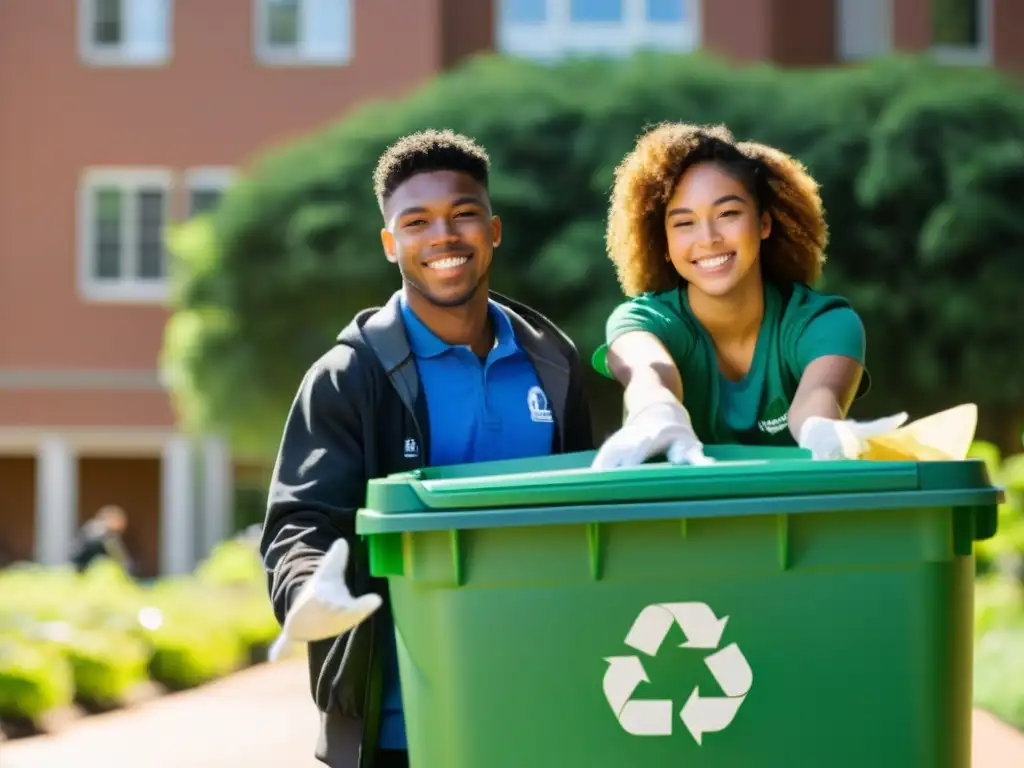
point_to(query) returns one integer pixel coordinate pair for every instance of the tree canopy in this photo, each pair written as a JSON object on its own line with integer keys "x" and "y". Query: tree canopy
{"x": 921, "y": 167}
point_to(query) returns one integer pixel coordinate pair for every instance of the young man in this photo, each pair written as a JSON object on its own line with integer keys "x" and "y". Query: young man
{"x": 446, "y": 372}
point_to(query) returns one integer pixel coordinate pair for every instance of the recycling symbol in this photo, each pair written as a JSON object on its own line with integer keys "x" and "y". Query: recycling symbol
{"x": 700, "y": 714}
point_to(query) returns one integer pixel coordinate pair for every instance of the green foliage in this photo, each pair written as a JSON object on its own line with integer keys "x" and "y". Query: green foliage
{"x": 921, "y": 168}
{"x": 998, "y": 671}
{"x": 34, "y": 679}
{"x": 231, "y": 564}
{"x": 107, "y": 665}
{"x": 1004, "y": 552}
{"x": 94, "y": 637}
{"x": 999, "y": 596}
{"x": 998, "y": 604}
{"x": 184, "y": 656}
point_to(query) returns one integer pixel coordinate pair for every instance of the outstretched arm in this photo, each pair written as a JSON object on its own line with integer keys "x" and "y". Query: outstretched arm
{"x": 827, "y": 389}
{"x": 830, "y": 352}
{"x": 656, "y": 421}
{"x": 319, "y": 480}
{"x": 639, "y": 361}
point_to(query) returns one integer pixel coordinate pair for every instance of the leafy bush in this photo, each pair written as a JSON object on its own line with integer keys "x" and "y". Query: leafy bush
{"x": 999, "y": 672}
{"x": 231, "y": 563}
{"x": 999, "y": 599}
{"x": 94, "y": 637}
{"x": 196, "y": 637}
{"x": 998, "y": 604}
{"x": 107, "y": 665}
{"x": 186, "y": 656}
{"x": 1005, "y": 551}
{"x": 919, "y": 164}
{"x": 34, "y": 679}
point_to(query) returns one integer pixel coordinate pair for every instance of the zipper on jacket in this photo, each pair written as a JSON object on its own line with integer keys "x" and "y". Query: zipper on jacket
{"x": 367, "y": 761}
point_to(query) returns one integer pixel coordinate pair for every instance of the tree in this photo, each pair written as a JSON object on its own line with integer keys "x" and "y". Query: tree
{"x": 918, "y": 166}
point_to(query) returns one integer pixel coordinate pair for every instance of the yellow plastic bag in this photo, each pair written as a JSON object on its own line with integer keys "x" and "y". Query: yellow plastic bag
{"x": 943, "y": 436}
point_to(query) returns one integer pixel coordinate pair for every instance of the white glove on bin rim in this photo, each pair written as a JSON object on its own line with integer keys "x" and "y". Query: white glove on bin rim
{"x": 324, "y": 607}
{"x": 832, "y": 439}
{"x": 661, "y": 427}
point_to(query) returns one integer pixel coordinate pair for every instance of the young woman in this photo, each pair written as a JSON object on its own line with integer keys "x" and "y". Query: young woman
{"x": 724, "y": 341}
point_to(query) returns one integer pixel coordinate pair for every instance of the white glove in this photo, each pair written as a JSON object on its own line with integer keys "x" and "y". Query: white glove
{"x": 324, "y": 606}
{"x": 833, "y": 439}
{"x": 662, "y": 427}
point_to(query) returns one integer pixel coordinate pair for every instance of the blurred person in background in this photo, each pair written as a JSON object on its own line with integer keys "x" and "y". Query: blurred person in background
{"x": 447, "y": 372}
{"x": 723, "y": 340}
{"x": 103, "y": 536}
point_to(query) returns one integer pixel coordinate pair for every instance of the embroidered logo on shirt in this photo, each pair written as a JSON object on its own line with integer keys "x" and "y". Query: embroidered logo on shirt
{"x": 773, "y": 426}
{"x": 770, "y": 424}
{"x": 537, "y": 402}
{"x": 412, "y": 449}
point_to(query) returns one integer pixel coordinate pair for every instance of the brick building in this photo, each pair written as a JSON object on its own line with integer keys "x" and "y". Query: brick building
{"x": 118, "y": 116}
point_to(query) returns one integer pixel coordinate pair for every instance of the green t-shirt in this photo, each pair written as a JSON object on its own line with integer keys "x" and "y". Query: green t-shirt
{"x": 799, "y": 326}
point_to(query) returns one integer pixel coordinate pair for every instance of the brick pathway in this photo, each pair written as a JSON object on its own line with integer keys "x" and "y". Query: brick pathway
{"x": 263, "y": 718}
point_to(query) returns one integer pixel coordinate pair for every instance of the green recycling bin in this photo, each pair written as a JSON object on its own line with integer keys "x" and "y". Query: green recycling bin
{"x": 766, "y": 611}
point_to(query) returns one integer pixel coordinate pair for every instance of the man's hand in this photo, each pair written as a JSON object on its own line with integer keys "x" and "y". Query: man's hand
{"x": 324, "y": 606}
{"x": 833, "y": 439}
{"x": 662, "y": 427}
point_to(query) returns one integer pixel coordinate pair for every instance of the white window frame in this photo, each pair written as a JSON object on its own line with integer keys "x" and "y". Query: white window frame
{"x": 977, "y": 55}
{"x": 267, "y": 55}
{"x": 128, "y": 288}
{"x": 559, "y": 36}
{"x": 95, "y": 55}
{"x": 213, "y": 177}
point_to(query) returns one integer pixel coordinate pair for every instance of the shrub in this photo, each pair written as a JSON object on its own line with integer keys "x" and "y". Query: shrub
{"x": 999, "y": 672}
{"x": 35, "y": 679}
{"x": 94, "y": 637}
{"x": 919, "y": 164}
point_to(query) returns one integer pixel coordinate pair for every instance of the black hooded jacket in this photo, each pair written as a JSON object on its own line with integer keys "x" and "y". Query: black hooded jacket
{"x": 355, "y": 410}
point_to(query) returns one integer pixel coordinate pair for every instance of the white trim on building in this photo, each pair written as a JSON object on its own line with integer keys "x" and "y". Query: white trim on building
{"x": 197, "y": 487}
{"x": 56, "y": 520}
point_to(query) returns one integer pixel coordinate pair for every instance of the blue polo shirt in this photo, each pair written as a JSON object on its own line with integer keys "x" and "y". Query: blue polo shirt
{"x": 479, "y": 410}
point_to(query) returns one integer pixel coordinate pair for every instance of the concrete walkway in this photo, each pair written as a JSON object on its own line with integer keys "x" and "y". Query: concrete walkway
{"x": 263, "y": 718}
{"x": 996, "y": 745}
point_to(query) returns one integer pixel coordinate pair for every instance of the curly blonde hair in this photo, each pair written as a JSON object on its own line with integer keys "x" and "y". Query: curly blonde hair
{"x": 646, "y": 177}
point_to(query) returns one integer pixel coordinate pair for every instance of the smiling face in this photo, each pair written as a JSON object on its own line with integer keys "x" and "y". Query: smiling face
{"x": 441, "y": 234}
{"x": 714, "y": 230}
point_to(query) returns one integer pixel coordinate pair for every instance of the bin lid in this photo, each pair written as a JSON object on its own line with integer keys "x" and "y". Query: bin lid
{"x": 741, "y": 473}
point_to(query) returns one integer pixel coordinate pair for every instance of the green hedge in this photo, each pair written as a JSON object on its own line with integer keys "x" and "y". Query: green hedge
{"x": 1005, "y": 551}
{"x": 93, "y": 638}
{"x": 999, "y": 597}
{"x": 999, "y": 648}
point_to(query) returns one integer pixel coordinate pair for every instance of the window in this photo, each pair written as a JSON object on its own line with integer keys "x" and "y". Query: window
{"x": 310, "y": 32}
{"x": 583, "y": 11}
{"x": 125, "y": 32}
{"x": 204, "y": 188}
{"x": 121, "y": 227}
{"x": 524, "y": 11}
{"x": 960, "y": 30}
{"x": 551, "y": 29}
{"x": 864, "y": 29}
{"x": 665, "y": 11}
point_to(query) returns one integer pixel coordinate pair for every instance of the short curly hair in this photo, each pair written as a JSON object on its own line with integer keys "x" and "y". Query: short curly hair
{"x": 425, "y": 151}
{"x": 644, "y": 181}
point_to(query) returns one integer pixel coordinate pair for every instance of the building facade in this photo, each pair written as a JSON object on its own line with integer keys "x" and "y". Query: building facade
{"x": 120, "y": 116}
